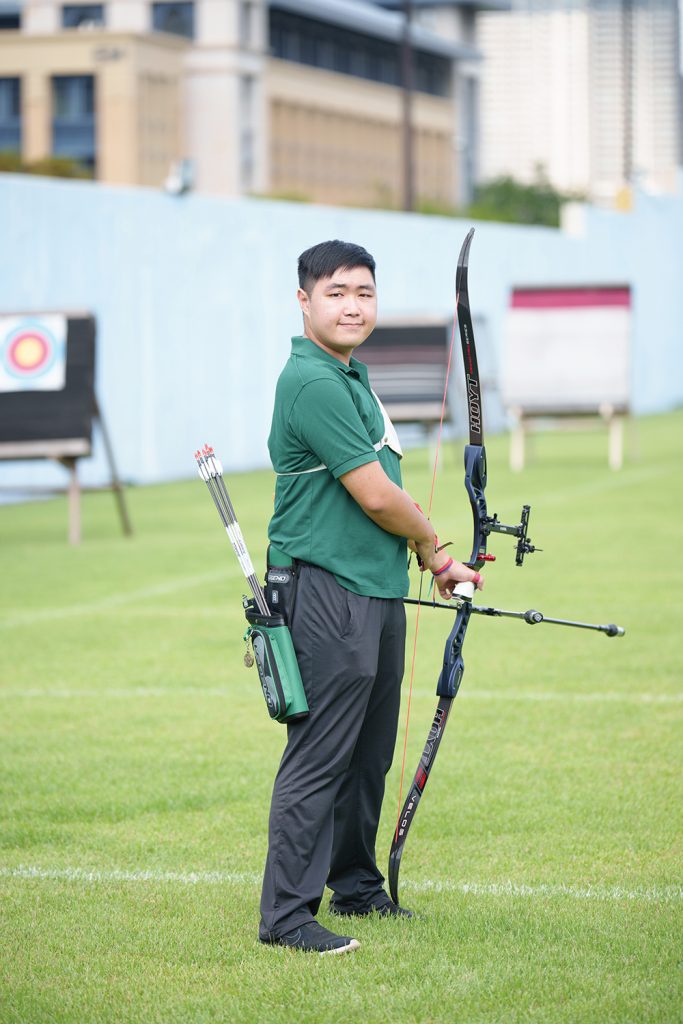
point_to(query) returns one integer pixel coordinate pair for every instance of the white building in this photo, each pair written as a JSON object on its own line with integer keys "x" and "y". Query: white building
{"x": 586, "y": 90}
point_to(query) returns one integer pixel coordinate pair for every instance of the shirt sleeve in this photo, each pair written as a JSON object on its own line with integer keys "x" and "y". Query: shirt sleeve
{"x": 325, "y": 420}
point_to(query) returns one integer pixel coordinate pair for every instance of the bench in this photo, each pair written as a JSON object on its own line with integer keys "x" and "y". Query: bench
{"x": 407, "y": 363}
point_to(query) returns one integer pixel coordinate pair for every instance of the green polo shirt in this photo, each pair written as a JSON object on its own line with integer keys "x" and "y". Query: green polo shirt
{"x": 325, "y": 414}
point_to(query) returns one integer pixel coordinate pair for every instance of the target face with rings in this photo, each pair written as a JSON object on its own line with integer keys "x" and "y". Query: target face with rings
{"x": 33, "y": 353}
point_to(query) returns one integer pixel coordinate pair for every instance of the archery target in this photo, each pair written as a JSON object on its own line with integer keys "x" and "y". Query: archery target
{"x": 33, "y": 353}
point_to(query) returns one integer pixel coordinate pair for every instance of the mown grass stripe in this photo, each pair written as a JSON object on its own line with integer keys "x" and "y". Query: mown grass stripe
{"x": 66, "y": 693}
{"x": 632, "y": 477}
{"x": 649, "y": 894}
{"x": 125, "y": 597}
{"x": 612, "y": 696}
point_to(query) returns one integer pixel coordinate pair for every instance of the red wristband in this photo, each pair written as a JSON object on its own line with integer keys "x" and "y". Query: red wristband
{"x": 443, "y": 568}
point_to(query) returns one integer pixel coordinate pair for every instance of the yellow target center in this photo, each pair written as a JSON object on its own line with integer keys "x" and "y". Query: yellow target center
{"x": 29, "y": 352}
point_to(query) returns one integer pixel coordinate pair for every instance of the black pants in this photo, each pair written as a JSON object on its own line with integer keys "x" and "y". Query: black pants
{"x": 329, "y": 788}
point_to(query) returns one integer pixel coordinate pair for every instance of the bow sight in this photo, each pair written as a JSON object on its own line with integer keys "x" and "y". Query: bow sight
{"x": 524, "y": 546}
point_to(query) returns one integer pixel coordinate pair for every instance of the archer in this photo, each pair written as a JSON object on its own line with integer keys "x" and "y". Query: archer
{"x": 342, "y": 520}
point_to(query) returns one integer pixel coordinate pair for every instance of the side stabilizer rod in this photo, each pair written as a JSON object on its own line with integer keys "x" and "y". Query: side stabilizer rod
{"x": 532, "y": 616}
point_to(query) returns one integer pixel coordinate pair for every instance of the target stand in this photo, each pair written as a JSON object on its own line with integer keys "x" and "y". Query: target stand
{"x": 48, "y": 402}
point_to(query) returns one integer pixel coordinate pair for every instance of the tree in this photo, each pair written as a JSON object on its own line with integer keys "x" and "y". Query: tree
{"x": 505, "y": 199}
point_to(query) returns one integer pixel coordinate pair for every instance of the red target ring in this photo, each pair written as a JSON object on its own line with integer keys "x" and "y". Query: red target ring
{"x": 28, "y": 353}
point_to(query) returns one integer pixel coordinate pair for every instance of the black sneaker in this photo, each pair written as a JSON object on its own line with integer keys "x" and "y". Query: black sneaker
{"x": 380, "y": 904}
{"x": 313, "y": 938}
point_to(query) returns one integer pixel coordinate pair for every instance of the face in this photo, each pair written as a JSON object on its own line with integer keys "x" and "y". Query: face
{"x": 340, "y": 311}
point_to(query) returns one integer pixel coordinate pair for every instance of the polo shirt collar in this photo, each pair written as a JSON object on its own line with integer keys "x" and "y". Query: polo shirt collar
{"x": 303, "y": 346}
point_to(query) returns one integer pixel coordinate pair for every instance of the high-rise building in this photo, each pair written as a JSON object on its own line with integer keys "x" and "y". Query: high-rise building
{"x": 586, "y": 92}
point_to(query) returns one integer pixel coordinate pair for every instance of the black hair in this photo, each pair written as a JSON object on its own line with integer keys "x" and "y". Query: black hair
{"x": 322, "y": 260}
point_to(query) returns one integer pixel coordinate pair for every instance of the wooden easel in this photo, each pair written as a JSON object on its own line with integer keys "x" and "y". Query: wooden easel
{"x": 67, "y": 452}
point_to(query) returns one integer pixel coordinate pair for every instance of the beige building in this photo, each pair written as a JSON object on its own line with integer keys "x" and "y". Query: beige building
{"x": 339, "y": 140}
{"x": 297, "y": 98}
{"x": 127, "y": 127}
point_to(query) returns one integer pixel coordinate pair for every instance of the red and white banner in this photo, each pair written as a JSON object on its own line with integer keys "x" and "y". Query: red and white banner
{"x": 568, "y": 348}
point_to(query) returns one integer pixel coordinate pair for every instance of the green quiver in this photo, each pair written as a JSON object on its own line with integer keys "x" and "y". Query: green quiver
{"x": 277, "y": 666}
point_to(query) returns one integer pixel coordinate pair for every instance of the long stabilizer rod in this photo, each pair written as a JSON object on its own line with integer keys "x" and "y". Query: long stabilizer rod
{"x": 211, "y": 472}
{"x": 531, "y": 616}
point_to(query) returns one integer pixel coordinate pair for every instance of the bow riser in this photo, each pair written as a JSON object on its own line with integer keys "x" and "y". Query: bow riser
{"x": 453, "y": 666}
{"x": 475, "y": 485}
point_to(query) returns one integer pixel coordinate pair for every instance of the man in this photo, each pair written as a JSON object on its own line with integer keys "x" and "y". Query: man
{"x": 342, "y": 519}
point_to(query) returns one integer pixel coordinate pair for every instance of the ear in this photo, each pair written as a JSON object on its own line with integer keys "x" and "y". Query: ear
{"x": 304, "y": 301}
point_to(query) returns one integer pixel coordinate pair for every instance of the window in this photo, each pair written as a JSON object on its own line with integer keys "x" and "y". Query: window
{"x": 307, "y": 41}
{"x": 10, "y": 114}
{"x": 9, "y": 20}
{"x": 431, "y": 74}
{"x": 176, "y": 19}
{"x": 73, "y": 118}
{"x": 75, "y": 15}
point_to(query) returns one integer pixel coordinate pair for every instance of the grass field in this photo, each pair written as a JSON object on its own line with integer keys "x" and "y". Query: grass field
{"x": 137, "y": 759}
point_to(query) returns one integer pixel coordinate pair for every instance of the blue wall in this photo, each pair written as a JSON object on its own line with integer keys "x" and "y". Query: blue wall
{"x": 194, "y": 299}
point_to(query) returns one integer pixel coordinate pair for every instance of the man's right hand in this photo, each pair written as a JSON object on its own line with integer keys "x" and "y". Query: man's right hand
{"x": 446, "y": 580}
